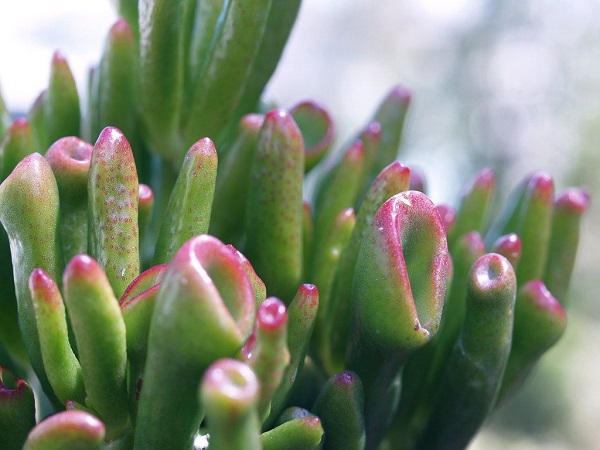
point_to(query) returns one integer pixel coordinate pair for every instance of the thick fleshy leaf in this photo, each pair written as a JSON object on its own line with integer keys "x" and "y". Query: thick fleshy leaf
{"x": 325, "y": 266}
{"x": 206, "y": 301}
{"x": 509, "y": 246}
{"x": 390, "y": 115}
{"x": 230, "y": 393}
{"x": 303, "y": 433}
{"x": 67, "y": 430}
{"x": 188, "y": 212}
{"x": 467, "y": 250}
{"x": 467, "y": 392}
{"x": 219, "y": 84}
{"x": 113, "y": 190}
{"x": 308, "y": 237}
{"x": 145, "y": 210}
{"x": 535, "y": 227}
{"x": 528, "y": 213}
{"x": 10, "y": 334}
{"x": 423, "y": 371}
{"x": 16, "y": 145}
{"x": 340, "y": 408}
{"x": 37, "y": 121}
{"x": 229, "y": 205}
{"x": 302, "y": 313}
{"x": 568, "y": 209}
{"x": 69, "y": 158}
{"x": 61, "y": 364}
{"x": 371, "y": 139}
{"x": 99, "y": 332}
{"x": 128, "y": 9}
{"x": 472, "y": 213}
{"x": 17, "y": 410}
{"x": 29, "y": 212}
{"x": 337, "y": 191}
{"x": 540, "y": 321}
{"x": 161, "y": 76}
{"x": 293, "y": 412}
{"x": 205, "y": 26}
{"x": 392, "y": 180}
{"x": 274, "y": 213}
{"x": 259, "y": 288}
{"x": 62, "y": 115}
{"x": 399, "y": 310}
{"x": 268, "y": 354}
{"x": 137, "y": 305}
{"x": 282, "y": 15}
{"x": 116, "y": 84}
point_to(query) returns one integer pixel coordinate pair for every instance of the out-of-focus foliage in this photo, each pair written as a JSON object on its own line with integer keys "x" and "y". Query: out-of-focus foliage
{"x": 512, "y": 84}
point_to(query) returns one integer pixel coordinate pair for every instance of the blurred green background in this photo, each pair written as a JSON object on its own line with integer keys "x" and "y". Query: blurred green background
{"x": 511, "y": 84}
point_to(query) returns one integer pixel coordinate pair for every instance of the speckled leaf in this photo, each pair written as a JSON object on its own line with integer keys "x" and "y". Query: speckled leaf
{"x": 113, "y": 190}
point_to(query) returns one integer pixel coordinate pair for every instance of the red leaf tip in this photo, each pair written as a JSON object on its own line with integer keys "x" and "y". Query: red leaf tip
{"x": 491, "y": 272}
{"x": 402, "y": 93}
{"x": 233, "y": 378}
{"x": 121, "y": 29}
{"x": 277, "y": 115}
{"x": 58, "y": 58}
{"x": 573, "y": 199}
{"x": 508, "y": 246}
{"x": 18, "y": 124}
{"x": 272, "y": 314}
{"x": 345, "y": 379}
{"x": 145, "y": 194}
{"x": 10, "y": 385}
{"x": 541, "y": 185}
{"x": 81, "y": 266}
{"x": 447, "y": 214}
{"x": 543, "y": 299}
{"x": 39, "y": 279}
{"x": 70, "y": 151}
{"x": 485, "y": 179}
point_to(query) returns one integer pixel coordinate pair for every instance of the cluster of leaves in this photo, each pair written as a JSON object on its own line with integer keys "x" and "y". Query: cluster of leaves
{"x": 277, "y": 292}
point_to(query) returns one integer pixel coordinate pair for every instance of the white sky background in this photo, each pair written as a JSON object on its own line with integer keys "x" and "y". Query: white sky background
{"x": 345, "y": 68}
{"x": 30, "y": 30}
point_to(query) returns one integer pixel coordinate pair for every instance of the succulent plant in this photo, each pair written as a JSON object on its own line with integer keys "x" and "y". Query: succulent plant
{"x": 216, "y": 273}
